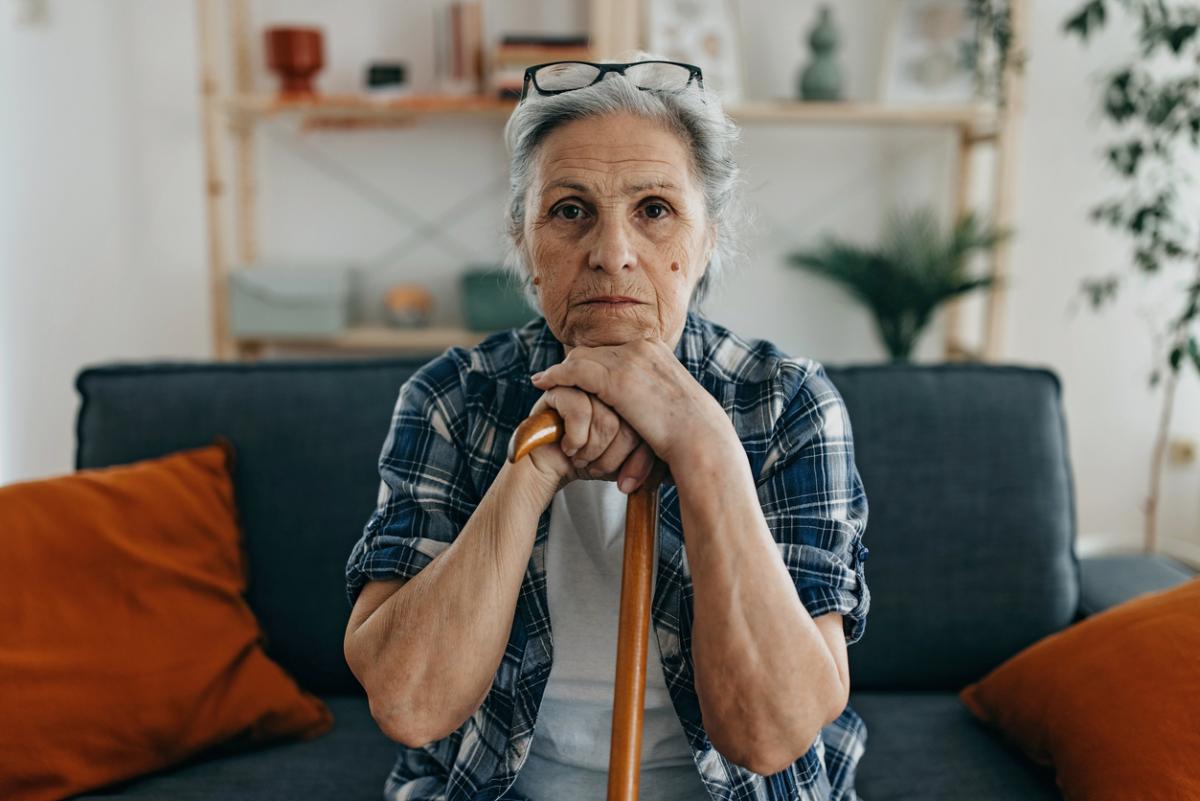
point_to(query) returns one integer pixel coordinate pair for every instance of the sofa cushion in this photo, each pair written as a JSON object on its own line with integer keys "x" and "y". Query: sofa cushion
{"x": 350, "y": 763}
{"x": 1079, "y": 698}
{"x": 971, "y": 518}
{"x": 308, "y": 438}
{"x": 126, "y": 644}
{"x": 921, "y": 747}
{"x": 926, "y": 746}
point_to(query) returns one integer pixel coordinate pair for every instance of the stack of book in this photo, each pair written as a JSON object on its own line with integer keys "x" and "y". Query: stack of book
{"x": 518, "y": 51}
{"x": 459, "y": 46}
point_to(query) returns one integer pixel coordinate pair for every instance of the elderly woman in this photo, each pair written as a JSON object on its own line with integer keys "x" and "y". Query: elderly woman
{"x": 485, "y": 594}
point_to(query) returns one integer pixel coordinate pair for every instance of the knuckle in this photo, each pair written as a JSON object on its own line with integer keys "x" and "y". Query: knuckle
{"x": 607, "y": 427}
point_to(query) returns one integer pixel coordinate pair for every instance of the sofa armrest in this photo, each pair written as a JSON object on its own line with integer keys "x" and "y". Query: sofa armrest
{"x": 1106, "y": 581}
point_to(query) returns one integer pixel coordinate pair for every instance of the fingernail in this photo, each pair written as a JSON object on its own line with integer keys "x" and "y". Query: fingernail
{"x": 537, "y": 375}
{"x": 571, "y": 452}
{"x": 626, "y": 485}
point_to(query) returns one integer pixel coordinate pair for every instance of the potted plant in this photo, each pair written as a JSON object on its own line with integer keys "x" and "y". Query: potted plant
{"x": 1154, "y": 103}
{"x": 915, "y": 268}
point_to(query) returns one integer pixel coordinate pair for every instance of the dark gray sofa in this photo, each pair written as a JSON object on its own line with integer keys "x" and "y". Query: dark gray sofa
{"x": 971, "y": 530}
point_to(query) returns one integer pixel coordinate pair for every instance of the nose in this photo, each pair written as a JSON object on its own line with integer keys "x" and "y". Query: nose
{"x": 612, "y": 249}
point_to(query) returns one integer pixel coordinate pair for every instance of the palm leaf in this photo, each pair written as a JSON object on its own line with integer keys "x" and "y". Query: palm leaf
{"x": 916, "y": 267}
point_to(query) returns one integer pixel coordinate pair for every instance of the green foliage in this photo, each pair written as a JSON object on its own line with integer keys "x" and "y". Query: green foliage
{"x": 915, "y": 268}
{"x": 992, "y": 20}
{"x": 1157, "y": 115}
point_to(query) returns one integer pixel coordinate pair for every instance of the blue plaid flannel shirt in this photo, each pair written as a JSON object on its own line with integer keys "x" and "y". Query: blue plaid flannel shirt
{"x": 447, "y": 441}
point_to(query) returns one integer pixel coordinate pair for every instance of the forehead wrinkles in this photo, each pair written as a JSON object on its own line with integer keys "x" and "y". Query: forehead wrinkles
{"x": 641, "y": 175}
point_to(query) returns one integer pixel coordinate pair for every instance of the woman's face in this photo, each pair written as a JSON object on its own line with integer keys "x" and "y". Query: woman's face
{"x": 616, "y": 233}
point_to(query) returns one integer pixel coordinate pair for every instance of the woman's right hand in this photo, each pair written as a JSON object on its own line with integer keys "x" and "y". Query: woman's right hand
{"x": 597, "y": 443}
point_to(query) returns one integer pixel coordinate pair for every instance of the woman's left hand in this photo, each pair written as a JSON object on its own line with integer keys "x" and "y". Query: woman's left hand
{"x": 647, "y": 385}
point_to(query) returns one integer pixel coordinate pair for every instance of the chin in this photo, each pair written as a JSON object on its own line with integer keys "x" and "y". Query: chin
{"x": 615, "y": 329}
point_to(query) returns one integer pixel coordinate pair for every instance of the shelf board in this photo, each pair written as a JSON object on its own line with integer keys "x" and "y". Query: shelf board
{"x": 848, "y": 113}
{"x": 334, "y": 111}
{"x": 375, "y": 338}
{"x": 352, "y": 111}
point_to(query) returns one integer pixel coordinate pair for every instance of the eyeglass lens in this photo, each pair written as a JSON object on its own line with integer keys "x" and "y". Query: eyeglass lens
{"x": 647, "y": 75}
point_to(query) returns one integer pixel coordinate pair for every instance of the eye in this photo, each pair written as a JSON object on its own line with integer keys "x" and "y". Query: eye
{"x": 662, "y": 210}
{"x": 554, "y": 212}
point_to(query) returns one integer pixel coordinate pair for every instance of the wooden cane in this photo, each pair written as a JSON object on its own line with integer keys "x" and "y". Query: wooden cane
{"x": 633, "y": 626}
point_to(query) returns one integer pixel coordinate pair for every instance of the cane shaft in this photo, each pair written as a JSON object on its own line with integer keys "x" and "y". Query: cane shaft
{"x": 633, "y": 634}
{"x": 633, "y": 627}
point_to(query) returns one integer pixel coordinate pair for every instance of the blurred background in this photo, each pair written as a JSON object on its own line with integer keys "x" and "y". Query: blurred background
{"x": 934, "y": 180}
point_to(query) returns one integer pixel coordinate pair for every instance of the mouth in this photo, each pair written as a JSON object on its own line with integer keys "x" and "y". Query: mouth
{"x": 611, "y": 301}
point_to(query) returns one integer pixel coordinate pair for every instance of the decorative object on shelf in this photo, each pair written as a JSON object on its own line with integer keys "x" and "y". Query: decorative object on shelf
{"x": 458, "y": 47}
{"x": 1153, "y": 101}
{"x": 387, "y": 80}
{"x": 289, "y": 300}
{"x": 297, "y": 54}
{"x": 492, "y": 299}
{"x": 518, "y": 51}
{"x": 915, "y": 268}
{"x": 408, "y": 305}
{"x": 926, "y": 50}
{"x": 702, "y": 32}
{"x": 821, "y": 78}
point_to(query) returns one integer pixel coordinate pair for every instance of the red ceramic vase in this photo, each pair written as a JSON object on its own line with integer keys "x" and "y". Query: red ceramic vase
{"x": 297, "y": 55}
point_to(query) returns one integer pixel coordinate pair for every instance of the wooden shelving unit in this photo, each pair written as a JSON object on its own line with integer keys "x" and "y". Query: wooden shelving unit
{"x": 414, "y": 341}
{"x": 237, "y": 113}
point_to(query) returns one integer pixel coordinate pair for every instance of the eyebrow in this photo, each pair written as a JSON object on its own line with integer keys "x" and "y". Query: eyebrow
{"x": 629, "y": 189}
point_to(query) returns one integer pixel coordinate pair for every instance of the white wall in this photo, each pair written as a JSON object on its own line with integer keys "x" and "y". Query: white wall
{"x": 102, "y": 239}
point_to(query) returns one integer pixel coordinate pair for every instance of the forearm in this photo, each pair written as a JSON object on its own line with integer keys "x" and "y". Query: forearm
{"x": 764, "y": 675}
{"x": 431, "y": 650}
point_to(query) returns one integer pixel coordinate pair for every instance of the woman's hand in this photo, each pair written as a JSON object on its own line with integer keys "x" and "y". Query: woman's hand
{"x": 646, "y": 385}
{"x": 597, "y": 443}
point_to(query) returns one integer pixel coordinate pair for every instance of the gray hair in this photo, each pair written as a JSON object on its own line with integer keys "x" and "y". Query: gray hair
{"x": 704, "y": 127}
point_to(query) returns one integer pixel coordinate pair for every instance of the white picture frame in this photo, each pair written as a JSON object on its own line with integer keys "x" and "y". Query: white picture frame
{"x": 921, "y": 62}
{"x": 707, "y": 33}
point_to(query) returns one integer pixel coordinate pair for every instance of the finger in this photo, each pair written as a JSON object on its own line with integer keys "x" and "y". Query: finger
{"x": 585, "y": 374}
{"x": 636, "y": 469}
{"x": 624, "y": 443}
{"x": 604, "y": 427}
{"x": 576, "y": 411}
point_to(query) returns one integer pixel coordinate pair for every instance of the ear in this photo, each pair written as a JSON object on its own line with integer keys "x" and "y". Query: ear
{"x": 711, "y": 242}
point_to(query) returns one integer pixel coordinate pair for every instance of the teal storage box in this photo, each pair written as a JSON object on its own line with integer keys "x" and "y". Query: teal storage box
{"x": 493, "y": 300}
{"x": 288, "y": 301}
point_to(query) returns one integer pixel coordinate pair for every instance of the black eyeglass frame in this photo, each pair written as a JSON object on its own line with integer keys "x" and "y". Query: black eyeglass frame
{"x": 694, "y": 73}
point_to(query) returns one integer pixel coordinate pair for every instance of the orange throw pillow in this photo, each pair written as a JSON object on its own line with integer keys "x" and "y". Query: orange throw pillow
{"x": 125, "y": 643}
{"x": 1112, "y": 702}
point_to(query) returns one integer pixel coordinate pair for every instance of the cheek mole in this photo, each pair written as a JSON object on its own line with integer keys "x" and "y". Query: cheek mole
{"x": 674, "y": 266}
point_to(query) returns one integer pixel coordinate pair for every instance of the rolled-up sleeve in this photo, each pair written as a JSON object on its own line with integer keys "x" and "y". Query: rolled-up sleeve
{"x": 814, "y": 501}
{"x": 426, "y": 494}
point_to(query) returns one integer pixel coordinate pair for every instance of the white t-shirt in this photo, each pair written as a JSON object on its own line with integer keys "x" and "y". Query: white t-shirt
{"x": 568, "y": 757}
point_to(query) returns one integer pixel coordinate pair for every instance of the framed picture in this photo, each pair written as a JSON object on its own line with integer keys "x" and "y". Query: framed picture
{"x": 706, "y": 33}
{"x": 925, "y": 53}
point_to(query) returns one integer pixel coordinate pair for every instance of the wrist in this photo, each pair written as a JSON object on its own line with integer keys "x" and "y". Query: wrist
{"x": 529, "y": 486}
{"x": 707, "y": 446}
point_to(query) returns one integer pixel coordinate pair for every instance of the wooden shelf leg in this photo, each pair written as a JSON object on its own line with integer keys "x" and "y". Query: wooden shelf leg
{"x": 214, "y": 181}
{"x": 962, "y": 201}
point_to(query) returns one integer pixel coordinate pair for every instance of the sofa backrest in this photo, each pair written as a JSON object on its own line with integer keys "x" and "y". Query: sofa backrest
{"x": 965, "y": 469}
{"x": 971, "y": 521}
